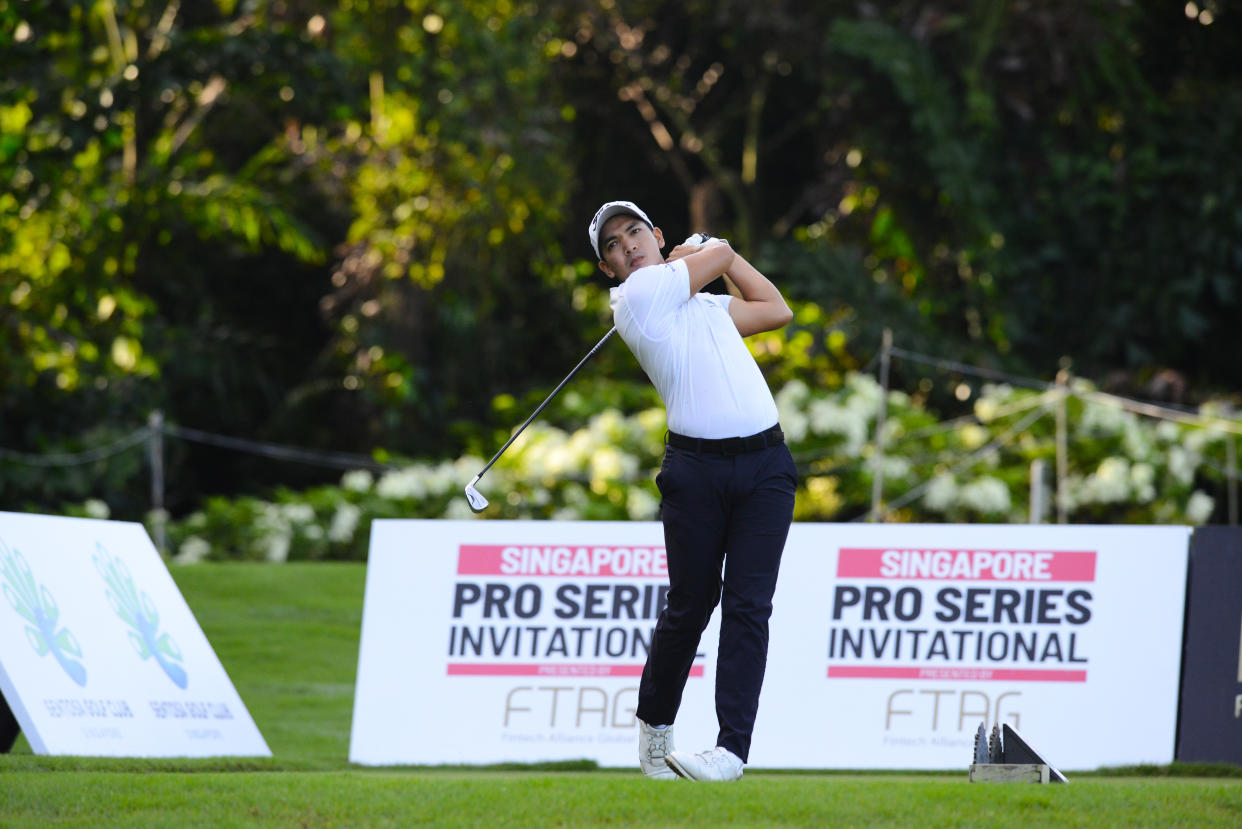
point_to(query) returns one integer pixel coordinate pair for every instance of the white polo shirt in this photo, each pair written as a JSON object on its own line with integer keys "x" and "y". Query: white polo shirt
{"x": 693, "y": 353}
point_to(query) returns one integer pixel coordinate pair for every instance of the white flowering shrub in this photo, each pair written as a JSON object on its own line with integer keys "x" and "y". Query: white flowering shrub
{"x": 1123, "y": 468}
{"x": 604, "y": 470}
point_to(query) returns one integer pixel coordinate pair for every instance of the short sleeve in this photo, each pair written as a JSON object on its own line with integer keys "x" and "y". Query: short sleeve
{"x": 655, "y": 293}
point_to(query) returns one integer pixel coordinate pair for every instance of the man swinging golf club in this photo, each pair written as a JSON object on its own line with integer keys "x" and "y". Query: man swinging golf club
{"x": 727, "y": 481}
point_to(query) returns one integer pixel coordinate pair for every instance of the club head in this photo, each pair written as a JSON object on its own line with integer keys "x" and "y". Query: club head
{"x": 475, "y": 498}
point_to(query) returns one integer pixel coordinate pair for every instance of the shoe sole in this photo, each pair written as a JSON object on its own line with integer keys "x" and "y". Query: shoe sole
{"x": 676, "y": 767}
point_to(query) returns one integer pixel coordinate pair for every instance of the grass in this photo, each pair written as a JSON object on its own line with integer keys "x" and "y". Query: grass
{"x": 506, "y": 798}
{"x": 288, "y": 636}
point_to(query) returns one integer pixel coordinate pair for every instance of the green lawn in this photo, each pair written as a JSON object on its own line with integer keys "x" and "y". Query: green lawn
{"x": 505, "y": 798}
{"x": 288, "y": 636}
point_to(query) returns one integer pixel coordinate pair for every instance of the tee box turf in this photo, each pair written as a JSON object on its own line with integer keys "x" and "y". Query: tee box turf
{"x": 1007, "y": 758}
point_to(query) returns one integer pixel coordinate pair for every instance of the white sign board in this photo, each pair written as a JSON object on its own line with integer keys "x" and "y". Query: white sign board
{"x": 890, "y": 644}
{"x": 498, "y": 641}
{"x": 99, "y": 653}
{"x": 492, "y": 641}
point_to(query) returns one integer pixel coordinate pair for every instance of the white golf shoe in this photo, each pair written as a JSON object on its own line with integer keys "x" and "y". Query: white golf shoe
{"x": 719, "y": 764}
{"x": 654, "y": 744}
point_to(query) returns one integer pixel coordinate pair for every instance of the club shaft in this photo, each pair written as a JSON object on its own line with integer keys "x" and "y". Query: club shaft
{"x": 546, "y": 401}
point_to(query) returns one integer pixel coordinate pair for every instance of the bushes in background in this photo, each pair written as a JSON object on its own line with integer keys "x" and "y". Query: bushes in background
{"x": 1123, "y": 469}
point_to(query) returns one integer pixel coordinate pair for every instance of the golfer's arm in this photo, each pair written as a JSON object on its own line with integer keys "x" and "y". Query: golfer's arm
{"x": 706, "y": 263}
{"x": 757, "y": 305}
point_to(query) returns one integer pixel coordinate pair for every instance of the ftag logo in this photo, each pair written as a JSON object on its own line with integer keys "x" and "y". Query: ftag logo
{"x": 36, "y": 604}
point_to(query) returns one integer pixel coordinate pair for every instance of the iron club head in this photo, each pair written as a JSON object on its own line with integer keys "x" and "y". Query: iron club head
{"x": 475, "y": 498}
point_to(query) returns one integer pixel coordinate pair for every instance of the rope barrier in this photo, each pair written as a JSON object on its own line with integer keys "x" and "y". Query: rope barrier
{"x": 338, "y": 460}
{"x": 78, "y": 458}
{"x": 344, "y": 460}
{"x": 974, "y": 371}
{"x": 1142, "y": 407}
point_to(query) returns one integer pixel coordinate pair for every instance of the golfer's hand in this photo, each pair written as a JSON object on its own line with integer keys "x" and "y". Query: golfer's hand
{"x": 680, "y": 251}
{"x": 692, "y": 244}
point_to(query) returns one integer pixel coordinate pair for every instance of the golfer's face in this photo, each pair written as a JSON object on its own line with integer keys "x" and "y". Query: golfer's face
{"x": 627, "y": 244}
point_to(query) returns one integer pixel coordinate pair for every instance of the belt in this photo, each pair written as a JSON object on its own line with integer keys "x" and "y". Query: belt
{"x": 729, "y": 446}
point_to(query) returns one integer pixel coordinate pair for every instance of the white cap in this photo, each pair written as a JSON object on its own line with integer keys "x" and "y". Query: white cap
{"x": 606, "y": 212}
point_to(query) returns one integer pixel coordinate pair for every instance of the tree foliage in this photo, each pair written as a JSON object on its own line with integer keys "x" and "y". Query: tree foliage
{"x": 358, "y": 224}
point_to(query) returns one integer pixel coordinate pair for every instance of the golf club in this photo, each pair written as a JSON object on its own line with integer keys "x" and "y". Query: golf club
{"x": 477, "y": 502}
{"x": 475, "y": 498}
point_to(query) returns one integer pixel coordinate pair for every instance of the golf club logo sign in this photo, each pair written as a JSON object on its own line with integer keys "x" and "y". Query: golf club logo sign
{"x": 38, "y": 607}
{"x": 35, "y": 603}
{"x": 137, "y": 611}
{"x": 959, "y": 615}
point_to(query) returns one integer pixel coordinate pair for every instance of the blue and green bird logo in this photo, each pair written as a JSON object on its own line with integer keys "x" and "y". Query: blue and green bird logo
{"x": 36, "y": 604}
{"x": 136, "y": 609}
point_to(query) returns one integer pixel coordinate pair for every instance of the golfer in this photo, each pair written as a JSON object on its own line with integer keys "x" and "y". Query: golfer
{"x": 727, "y": 482}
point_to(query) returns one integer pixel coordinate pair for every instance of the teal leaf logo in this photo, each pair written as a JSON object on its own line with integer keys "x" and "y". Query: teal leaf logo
{"x": 35, "y": 603}
{"x": 136, "y": 609}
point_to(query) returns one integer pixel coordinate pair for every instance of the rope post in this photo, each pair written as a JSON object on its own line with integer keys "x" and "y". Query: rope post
{"x": 1063, "y": 378}
{"x": 1037, "y": 491}
{"x": 877, "y": 476}
{"x": 155, "y": 454}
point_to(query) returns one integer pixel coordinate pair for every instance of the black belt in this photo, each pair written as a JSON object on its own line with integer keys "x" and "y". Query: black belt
{"x": 729, "y": 446}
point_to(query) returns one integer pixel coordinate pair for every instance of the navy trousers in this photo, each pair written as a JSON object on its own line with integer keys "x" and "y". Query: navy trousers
{"x": 730, "y": 513}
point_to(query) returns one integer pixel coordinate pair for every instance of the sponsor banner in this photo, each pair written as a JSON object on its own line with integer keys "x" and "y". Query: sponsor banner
{"x": 1210, "y": 720}
{"x": 890, "y": 644}
{"x": 492, "y": 641}
{"x": 99, "y": 653}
